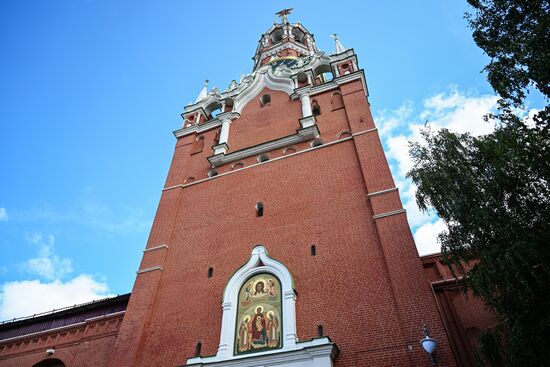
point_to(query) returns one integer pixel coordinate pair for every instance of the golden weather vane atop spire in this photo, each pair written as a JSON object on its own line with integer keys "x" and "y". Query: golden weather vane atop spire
{"x": 283, "y": 13}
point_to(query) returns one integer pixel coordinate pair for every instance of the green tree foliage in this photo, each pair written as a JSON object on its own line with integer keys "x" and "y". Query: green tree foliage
{"x": 494, "y": 194}
{"x": 515, "y": 34}
{"x": 493, "y": 191}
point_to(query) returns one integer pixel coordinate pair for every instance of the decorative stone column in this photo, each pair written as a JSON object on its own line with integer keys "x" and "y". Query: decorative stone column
{"x": 306, "y": 105}
{"x": 221, "y": 147}
{"x": 224, "y": 134}
{"x": 308, "y": 119}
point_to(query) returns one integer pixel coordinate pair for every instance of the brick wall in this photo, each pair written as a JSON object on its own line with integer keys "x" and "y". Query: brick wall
{"x": 88, "y": 343}
{"x": 366, "y": 285}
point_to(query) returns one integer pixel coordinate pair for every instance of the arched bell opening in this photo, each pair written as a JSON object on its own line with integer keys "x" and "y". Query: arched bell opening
{"x": 277, "y": 35}
{"x": 213, "y": 109}
{"x": 302, "y": 79}
{"x": 299, "y": 36}
{"x": 323, "y": 74}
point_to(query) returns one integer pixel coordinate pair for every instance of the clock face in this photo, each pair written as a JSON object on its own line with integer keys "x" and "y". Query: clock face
{"x": 288, "y": 61}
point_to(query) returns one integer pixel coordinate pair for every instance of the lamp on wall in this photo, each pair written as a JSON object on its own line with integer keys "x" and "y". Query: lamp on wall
{"x": 429, "y": 344}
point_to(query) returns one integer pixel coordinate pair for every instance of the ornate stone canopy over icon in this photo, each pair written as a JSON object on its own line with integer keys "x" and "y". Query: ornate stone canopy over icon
{"x": 259, "y": 320}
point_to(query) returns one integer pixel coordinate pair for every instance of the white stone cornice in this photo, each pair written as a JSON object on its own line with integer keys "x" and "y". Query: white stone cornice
{"x": 287, "y": 156}
{"x": 159, "y": 247}
{"x": 147, "y": 270}
{"x": 334, "y": 83}
{"x": 389, "y": 214}
{"x": 230, "y": 115}
{"x": 343, "y": 55}
{"x": 381, "y": 192}
{"x": 211, "y": 124}
{"x": 351, "y": 77}
{"x": 318, "y": 352}
{"x": 298, "y": 92}
{"x": 304, "y": 134}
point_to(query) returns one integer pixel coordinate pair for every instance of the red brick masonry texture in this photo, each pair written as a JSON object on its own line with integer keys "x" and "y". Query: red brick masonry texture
{"x": 366, "y": 285}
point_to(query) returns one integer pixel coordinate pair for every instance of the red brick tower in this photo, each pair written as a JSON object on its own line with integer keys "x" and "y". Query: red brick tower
{"x": 280, "y": 238}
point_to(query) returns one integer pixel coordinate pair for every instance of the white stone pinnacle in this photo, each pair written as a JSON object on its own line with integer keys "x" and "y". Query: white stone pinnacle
{"x": 339, "y": 47}
{"x": 203, "y": 92}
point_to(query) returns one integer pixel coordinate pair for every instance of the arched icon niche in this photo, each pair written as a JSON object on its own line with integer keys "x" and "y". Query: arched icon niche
{"x": 259, "y": 315}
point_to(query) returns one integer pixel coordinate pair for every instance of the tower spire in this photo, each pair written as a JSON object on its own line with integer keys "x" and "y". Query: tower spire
{"x": 339, "y": 47}
{"x": 203, "y": 92}
{"x": 283, "y": 13}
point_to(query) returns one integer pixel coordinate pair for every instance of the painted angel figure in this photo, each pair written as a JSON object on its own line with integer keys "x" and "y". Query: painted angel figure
{"x": 271, "y": 288}
{"x": 248, "y": 294}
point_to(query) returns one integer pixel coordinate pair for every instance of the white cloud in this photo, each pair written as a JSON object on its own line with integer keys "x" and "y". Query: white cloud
{"x": 46, "y": 264}
{"x": 35, "y": 237}
{"x": 426, "y": 237}
{"x": 25, "y": 298}
{"x": 528, "y": 117}
{"x": 387, "y": 122}
{"x": 3, "y": 214}
{"x": 459, "y": 112}
{"x": 455, "y": 110}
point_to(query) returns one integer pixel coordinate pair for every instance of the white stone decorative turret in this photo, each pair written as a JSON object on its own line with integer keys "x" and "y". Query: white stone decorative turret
{"x": 203, "y": 93}
{"x": 339, "y": 47}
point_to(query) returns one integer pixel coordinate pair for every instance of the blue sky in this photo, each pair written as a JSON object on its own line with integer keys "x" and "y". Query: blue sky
{"x": 92, "y": 90}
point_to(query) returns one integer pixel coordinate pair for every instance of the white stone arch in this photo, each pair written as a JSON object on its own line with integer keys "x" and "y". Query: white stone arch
{"x": 318, "y": 352}
{"x": 264, "y": 78}
{"x": 259, "y": 262}
{"x": 319, "y": 59}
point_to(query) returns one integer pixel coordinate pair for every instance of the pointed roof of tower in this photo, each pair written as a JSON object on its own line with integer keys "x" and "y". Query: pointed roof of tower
{"x": 203, "y": 93}
{"x": 339, "y": 47}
